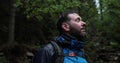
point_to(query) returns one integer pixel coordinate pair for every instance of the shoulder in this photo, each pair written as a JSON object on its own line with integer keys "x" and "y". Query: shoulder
{"x": 48, "y": 48}
{"x": 44, "y": 54}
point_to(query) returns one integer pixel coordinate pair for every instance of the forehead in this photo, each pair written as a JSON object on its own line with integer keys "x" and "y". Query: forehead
{"x": 74, "y": 16}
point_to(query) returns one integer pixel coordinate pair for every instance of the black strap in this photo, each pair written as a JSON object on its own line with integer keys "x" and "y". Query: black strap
{"x": 57, "y": 48}
{"x": 58, "y": 52}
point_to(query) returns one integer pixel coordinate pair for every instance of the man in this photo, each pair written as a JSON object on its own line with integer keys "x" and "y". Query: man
{"x": 72, "y": 30}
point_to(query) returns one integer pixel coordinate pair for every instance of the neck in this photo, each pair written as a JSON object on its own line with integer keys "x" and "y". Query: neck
{"x": 73, "y": 36}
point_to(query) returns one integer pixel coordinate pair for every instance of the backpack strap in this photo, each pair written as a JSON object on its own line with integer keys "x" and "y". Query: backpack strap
{"x": 59, "y": 55}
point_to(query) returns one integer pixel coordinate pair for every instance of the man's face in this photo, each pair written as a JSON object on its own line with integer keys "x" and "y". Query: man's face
{"x": 77, "y": 26}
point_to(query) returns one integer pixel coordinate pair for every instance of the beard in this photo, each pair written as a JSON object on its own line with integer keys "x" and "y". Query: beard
{"x": 78, "y": 34}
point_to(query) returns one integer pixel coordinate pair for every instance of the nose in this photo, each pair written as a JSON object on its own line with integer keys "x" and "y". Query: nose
{"x": 83, "y": 23}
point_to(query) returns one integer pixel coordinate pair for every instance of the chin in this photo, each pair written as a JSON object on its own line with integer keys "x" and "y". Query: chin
{"x": 83, "y": 34}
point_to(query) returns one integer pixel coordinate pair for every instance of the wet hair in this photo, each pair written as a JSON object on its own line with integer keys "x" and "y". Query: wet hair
{"x": 64, "y": 18}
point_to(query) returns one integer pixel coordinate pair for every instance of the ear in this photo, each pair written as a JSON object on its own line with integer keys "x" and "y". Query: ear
{"x": 65, "y": 26}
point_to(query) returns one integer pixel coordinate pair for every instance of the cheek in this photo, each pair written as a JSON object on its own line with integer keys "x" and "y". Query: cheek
{"x": 76, "y": 25}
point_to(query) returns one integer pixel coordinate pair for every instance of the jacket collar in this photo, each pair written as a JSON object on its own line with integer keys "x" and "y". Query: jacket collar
{"x": 68, "y": 40}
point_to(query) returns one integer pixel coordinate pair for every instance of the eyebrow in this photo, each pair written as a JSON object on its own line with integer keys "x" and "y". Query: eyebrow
{"x": 79, "y": 18}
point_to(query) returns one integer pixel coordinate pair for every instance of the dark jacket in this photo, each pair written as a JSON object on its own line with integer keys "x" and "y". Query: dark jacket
{"x": 71, "y": 48}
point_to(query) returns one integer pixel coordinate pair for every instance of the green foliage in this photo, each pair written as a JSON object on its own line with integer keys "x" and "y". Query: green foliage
{"x": 110, "y": 22}
{"x": 45, "y": 13}
{"x": 105, "y": 40}
{"x": 36, "y": 24}
{"x": 36, "y": 7}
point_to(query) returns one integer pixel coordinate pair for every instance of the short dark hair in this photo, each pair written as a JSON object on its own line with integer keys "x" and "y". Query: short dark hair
{"x": 64, "y": 18}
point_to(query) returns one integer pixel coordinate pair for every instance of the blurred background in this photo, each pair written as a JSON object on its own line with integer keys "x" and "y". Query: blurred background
{"x": 26, "y": 25}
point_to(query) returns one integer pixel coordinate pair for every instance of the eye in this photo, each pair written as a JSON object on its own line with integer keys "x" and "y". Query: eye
{"x": 78, "y": 20}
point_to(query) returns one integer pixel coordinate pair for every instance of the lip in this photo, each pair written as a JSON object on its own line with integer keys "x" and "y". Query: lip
{"x": 82, "y": 29}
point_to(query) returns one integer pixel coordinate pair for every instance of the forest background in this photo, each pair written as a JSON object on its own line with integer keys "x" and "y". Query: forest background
{"x": 26, "y": 25}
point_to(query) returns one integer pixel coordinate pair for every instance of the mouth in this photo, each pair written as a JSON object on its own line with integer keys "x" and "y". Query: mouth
{"x": 83, "y": 30}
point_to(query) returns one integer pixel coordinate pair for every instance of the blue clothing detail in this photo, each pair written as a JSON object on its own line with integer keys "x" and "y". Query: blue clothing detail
{"x": 61, "y": 39}
{"x": 73, "y": 48}
{"x": 74, "y": 43}
{"x": 70, "y": 46}
{"x": 75, "y": 59}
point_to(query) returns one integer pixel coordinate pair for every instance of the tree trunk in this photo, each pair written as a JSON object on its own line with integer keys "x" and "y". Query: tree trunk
{"x": 12, "y": 22}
